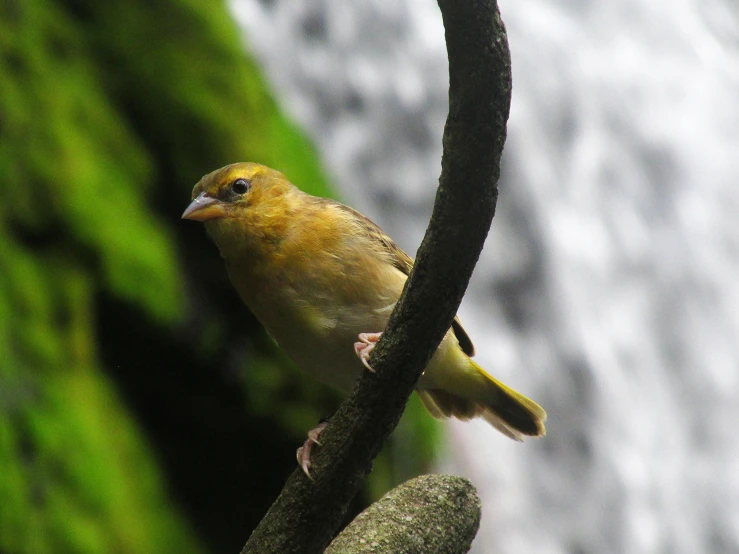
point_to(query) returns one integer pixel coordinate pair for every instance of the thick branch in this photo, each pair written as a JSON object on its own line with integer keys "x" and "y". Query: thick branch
{"x": 307, "y": 513}
{"x": 431, "y": 513}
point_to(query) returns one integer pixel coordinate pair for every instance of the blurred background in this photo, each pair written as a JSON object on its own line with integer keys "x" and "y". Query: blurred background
{"x": 142, "y": 409}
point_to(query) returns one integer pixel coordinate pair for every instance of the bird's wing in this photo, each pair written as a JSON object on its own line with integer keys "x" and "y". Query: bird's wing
{"x": 404, "y": 263}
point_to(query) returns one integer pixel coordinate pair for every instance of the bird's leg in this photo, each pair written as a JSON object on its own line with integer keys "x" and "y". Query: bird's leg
{"x": 364, "y": 347}
{"x": 303, "y": 453}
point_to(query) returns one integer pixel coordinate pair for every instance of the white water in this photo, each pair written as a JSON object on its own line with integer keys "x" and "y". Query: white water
{"x": 609, "y": 286}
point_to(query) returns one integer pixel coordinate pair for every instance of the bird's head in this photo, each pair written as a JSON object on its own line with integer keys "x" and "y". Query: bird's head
{"x": 233, "y": 190}
{"x": 241, "y": 200}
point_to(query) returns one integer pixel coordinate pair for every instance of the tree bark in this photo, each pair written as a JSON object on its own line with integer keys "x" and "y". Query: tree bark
{"x": 307, "y": 513}
{"x": 431, "y": 513}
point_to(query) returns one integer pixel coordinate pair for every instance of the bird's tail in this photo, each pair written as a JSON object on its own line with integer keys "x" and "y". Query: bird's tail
{"x": 478, "y": 394}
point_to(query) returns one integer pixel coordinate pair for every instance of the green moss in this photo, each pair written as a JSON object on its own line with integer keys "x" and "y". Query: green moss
{"x": 75, "y": 164}
{"x": 77, "y": 476}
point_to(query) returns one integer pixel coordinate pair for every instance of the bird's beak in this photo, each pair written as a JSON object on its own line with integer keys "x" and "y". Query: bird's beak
{"x": 203, "y": 208}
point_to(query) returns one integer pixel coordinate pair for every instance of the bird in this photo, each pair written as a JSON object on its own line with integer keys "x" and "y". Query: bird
{"x": 323, "y": 279}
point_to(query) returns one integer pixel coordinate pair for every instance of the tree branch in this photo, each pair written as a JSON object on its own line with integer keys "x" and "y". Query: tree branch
{"x": 431, "y": 513}
{"x": 307, "y": 513}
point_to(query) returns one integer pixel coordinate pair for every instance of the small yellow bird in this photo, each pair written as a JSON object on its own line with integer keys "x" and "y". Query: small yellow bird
{"x": 323, "y": 279}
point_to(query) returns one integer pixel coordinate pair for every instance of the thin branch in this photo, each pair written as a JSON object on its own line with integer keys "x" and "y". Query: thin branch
{"x": 307, "y": 513}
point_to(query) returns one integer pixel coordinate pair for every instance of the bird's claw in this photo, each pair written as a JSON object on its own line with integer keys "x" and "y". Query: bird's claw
{"x": 364, "y": 347}
{"x": 303, "y": 453}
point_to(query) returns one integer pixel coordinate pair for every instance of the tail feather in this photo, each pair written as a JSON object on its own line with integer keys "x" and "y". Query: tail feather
{"x": 508, "y": 411}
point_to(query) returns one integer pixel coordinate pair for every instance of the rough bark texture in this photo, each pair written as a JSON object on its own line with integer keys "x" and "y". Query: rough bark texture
{"x": 431, "y": 513}
{"x": 307, "y": 513}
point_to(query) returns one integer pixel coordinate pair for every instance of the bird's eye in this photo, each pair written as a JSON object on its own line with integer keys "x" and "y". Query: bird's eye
{"x": 240, "y": 186}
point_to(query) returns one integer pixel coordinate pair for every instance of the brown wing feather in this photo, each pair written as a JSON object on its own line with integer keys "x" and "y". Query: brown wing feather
{"x": 465, "y": 342}
{"x": 404, "y": 263}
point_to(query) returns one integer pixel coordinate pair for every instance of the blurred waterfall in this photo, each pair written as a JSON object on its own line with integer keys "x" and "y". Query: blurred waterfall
{"x": 609, "y": 286}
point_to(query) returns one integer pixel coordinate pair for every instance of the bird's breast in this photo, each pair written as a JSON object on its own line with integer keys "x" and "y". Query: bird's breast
{"x": 315, "y": 303}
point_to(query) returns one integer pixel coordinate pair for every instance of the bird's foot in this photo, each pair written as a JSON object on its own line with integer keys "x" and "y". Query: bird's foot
{"x": 303, "y": 453}
{"x": 364, "y": 347}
